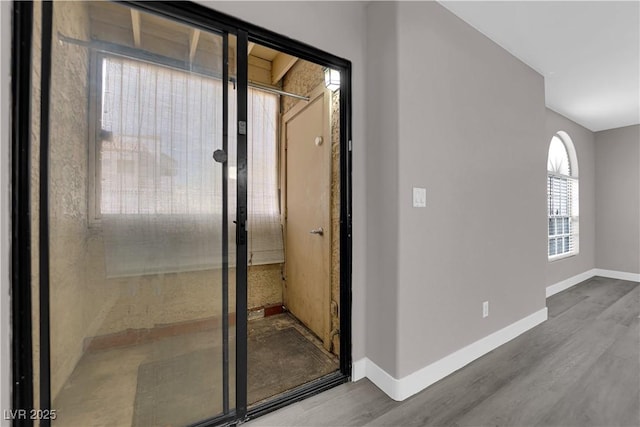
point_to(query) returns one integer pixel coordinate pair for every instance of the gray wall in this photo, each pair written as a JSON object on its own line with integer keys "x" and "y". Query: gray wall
{"x": 584, "y": 142}
{"x": 382, "y": 183}
{"x": 471, "y": 118}
{"x": 618, "y": 199}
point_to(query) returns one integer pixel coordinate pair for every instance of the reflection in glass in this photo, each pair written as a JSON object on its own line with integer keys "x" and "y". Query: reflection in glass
{"x": 136, "y": 220}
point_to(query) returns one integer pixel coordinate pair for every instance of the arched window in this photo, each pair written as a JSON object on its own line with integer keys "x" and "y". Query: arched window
{"x": 562, "y": 197}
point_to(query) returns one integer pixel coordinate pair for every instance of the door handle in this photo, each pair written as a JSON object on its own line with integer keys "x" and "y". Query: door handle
{"x": 319, "y": 231}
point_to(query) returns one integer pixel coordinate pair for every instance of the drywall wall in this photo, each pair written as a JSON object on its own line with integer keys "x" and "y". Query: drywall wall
{"x": 618, "y": 199}
{"x": 5, "y": 232}
{"x": 471, "y": 118}
{"x": 381, "y": 157}
{"x": 338, "y": 28}
{"x": 583, "y": 140}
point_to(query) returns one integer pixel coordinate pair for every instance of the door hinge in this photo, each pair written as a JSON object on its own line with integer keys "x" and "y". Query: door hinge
{"x": 349, "y": 148}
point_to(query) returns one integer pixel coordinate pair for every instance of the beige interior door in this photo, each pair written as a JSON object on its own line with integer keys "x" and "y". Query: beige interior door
{"x": 307, "y": 213}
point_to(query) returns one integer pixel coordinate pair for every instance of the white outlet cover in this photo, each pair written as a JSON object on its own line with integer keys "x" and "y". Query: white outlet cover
{"x": 419, "y": 197}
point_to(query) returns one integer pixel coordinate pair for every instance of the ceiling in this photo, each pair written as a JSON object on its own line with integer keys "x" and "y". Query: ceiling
{"x": 587, "y": 51}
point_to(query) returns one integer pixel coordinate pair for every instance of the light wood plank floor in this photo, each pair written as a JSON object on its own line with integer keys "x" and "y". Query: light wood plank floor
{"x": 579, "y": 368}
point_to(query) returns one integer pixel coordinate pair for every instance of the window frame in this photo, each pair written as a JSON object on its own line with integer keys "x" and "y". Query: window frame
{"x": 572, "y": 200}
{"x": 94, "y": 164}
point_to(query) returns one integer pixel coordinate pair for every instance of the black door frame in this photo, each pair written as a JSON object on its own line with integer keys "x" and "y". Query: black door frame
{"x": 208, "y": 19}
{"x": 21, "y": 321}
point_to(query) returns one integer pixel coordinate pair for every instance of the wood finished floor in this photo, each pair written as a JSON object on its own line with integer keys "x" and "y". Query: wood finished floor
{"x": 579, "y": 368}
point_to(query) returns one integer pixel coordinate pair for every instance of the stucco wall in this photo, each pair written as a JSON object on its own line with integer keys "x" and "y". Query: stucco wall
{"x": 153, "y": 300}
{"x": 84, "y": 303}
{"x": 78, "y": 298}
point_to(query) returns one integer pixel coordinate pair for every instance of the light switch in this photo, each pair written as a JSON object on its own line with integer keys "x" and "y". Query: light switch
{"x": 419, "y": 197}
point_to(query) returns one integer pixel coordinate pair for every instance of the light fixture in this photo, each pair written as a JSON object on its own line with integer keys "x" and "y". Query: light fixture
{"x": 332, "y": 79}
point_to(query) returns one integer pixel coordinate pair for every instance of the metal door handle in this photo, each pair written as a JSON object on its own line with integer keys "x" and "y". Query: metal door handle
{"x": 319, "y": 231}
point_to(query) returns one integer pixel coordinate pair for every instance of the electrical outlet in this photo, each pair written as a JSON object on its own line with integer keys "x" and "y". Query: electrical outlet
{"x": 485, "y": 309}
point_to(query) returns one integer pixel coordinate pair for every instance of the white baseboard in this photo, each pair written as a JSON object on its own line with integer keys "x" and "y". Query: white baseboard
{"x": 571, "y": 281}
{"x": 359, "y": 369}
{"x": 400, "y": 389}
{"x": 620, "y": 275}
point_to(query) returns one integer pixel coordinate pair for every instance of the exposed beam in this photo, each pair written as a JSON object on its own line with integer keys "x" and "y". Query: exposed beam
{"x": 280, "y": 65}
{"x": 250, "y": 47}
{"x": 193, "y": 43}
{"x": 135, "y": 25}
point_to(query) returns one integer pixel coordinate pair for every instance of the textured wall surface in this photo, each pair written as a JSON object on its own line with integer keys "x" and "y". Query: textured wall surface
{"x": 84, "y": 303}
{"x": 301, "y": 79}
{"x": 618, "y": 199}
{"x": 162, "y": 299}
{"x": 78, "y": 298}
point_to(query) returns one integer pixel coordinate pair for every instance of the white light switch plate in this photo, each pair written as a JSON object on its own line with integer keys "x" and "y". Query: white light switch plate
{"x": 419, "y": 197}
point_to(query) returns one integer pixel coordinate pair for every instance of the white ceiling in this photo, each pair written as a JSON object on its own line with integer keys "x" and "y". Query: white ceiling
{"x": 587, "y": 51}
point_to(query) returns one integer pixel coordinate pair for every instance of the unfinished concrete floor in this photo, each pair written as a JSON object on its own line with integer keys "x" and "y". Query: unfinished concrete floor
{"x": 177, "y": 380}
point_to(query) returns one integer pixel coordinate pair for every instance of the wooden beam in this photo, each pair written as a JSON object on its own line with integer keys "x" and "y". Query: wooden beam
{"x": 250, "y": 47}
{"x": 135, "y": 25}
{"x": 193, "y": 43}
{"x": 280, "y": 65}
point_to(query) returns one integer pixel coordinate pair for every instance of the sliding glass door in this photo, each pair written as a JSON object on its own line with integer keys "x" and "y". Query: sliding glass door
{"x": 135, "y": 145}
{"x": 143, "y": 183}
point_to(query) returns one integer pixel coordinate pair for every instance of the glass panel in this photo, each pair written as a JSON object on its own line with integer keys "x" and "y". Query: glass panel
{"x": 138, "y": 310}
{"x": 566, "y": 226}
{"x": 291, "y": 347}
{"x": 566, "y": 244}
{"x": 552, "y": 247}
{"x": 552, "y": 227}
{"x": 558, "y": 160}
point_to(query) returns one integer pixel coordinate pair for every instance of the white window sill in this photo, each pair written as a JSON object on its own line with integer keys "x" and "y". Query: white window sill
{"x": 562, "y": 256}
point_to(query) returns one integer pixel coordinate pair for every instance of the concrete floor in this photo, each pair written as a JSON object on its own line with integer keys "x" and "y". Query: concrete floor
{"x": 103, "y": 388}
